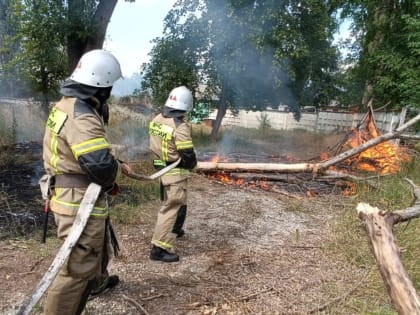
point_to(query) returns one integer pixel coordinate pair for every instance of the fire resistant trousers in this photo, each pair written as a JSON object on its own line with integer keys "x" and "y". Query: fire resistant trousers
{"x": 68, "y": 293}
{"x": 176, "y": 196}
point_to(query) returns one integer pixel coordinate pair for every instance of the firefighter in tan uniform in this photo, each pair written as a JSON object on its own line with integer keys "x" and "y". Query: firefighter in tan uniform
{"x": 170, "y": 139}
{"x": 76, "y": 153}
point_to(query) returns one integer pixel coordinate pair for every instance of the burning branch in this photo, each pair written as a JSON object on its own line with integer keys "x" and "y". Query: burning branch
{"x": 379, "y": 225}
{"x": 305, "y": 167}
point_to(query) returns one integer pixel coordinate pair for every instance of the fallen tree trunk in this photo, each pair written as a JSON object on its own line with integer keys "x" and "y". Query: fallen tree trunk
{"x": 304, "y": 167}
{"x": 379, "y": 225}
{"x": 261, "y": 167}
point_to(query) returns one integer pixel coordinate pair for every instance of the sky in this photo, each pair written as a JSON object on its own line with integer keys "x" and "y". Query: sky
{"x": 132, "y": 27}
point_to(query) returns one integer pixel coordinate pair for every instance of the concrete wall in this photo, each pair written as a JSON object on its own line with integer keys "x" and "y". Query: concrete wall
{"x": 321, "y": 121}
{"x": 21, "y": 121}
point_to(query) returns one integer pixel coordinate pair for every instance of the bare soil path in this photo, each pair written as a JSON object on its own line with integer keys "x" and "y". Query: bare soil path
{"x": 244, "y": 252}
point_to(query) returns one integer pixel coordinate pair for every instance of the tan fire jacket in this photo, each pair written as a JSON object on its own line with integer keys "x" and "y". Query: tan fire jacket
{"x": 165, "y": 140}
{"x": 70, "y": 132}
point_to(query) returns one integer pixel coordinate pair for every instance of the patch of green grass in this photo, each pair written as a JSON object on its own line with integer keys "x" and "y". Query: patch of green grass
{"x": 137, "y": 199}
{"x": 391, "y": 192}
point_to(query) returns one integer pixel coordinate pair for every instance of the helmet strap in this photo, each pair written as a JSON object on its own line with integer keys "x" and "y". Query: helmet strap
{"x": 102, "y": 96}
{"x": 104, "y": 112}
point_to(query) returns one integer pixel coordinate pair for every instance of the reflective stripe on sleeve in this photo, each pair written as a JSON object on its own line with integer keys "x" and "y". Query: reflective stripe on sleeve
{"x": 159, "y": 163}
{"x": 184, "y": 145}
{"x": 89, "y": 146}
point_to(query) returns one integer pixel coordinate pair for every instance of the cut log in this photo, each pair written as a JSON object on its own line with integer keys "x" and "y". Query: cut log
{"x": 262, "y": 167}
{"x": 379, "y": 225}
{"x": 79, "y": 224}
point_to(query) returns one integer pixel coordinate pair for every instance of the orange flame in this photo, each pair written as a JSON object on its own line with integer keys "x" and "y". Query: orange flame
{"x": 217, "y": 158}
{"x": 386, "y": 157}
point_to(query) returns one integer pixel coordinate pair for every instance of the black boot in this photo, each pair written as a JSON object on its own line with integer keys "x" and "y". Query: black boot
{"x": 109, "y": 283}
{"x": 179, "y": 223}
{"x": 158, "y": 253}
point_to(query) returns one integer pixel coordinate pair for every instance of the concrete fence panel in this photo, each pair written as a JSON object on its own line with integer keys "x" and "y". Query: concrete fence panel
{"x": 321, "y": 121}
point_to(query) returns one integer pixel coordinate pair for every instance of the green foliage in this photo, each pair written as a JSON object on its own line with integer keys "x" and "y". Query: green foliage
{"x": 40, "y": 41}
{"x": 199, "y": 112}
{"x": 172, "y": 64}
{"x": 248, "y": 55}
{"x": 34, "y": 55}
{"x": 388, "y": 44}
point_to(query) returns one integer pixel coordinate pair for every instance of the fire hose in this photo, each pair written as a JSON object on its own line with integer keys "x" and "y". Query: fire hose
{"x": 154, "y": 175}
{"x": 79, "y": 224}
{"x": 81, "y": 219}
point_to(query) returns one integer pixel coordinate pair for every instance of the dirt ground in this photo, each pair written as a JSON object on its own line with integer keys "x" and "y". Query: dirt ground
{"x": 245, "y": 251}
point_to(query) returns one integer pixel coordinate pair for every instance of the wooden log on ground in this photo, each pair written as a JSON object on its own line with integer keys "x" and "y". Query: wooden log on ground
{"x": 262, "y": 167}
{"x": 379, "y": 225}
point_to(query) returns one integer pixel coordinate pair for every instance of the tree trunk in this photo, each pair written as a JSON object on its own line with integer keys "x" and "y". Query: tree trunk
{"x": 101, "y": 20}
{"x": 221, "y": 111}
{"x": 257, "y": 167}
{"x": 78, "y": 45}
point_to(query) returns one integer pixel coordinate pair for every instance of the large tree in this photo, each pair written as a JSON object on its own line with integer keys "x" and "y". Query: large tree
{"x": 387, "y": 54}
{"x": 42, "y": 41}
{"x": 254, "y": 54}
{"x": 87, "y": 24}
{"x": 42, "y": 56}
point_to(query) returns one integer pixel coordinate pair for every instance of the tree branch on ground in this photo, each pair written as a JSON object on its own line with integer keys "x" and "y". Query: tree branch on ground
{"x": 379, "y": 225}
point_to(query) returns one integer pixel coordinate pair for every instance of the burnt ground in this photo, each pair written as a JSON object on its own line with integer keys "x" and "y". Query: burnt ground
{"x": 246, "y": 251}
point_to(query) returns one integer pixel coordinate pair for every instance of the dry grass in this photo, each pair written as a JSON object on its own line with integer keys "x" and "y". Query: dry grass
{"x": 246, "y": 251}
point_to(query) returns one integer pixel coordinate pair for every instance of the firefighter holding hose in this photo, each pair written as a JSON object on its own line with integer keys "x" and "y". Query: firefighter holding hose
{"x": 170, "y": 141}
{"x": 75, "y": 153}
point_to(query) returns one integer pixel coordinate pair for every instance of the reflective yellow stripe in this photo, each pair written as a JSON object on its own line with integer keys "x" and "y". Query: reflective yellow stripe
{"x": 184, "y": 145}
{"x": 160, "y": 130}
{"x": 178, "y": 171}
{"x": 159, "y": 163}
{"x": 96, "y": 212}
{"x": 89, "y": 146}
{"x": 164, "y": 150}
{"x": 164, "y": 244}
{"x": 164, "y": 132}
{"x": 54, "y": 152}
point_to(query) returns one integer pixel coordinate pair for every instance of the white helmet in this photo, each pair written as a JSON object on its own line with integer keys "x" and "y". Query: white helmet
{"x": 97, "y": 68}
{"x": 180, "y": 98}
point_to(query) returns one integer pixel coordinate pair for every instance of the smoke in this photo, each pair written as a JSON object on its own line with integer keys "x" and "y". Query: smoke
{"x": 252, "y": 72}
{"x": 20, "y": 121}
